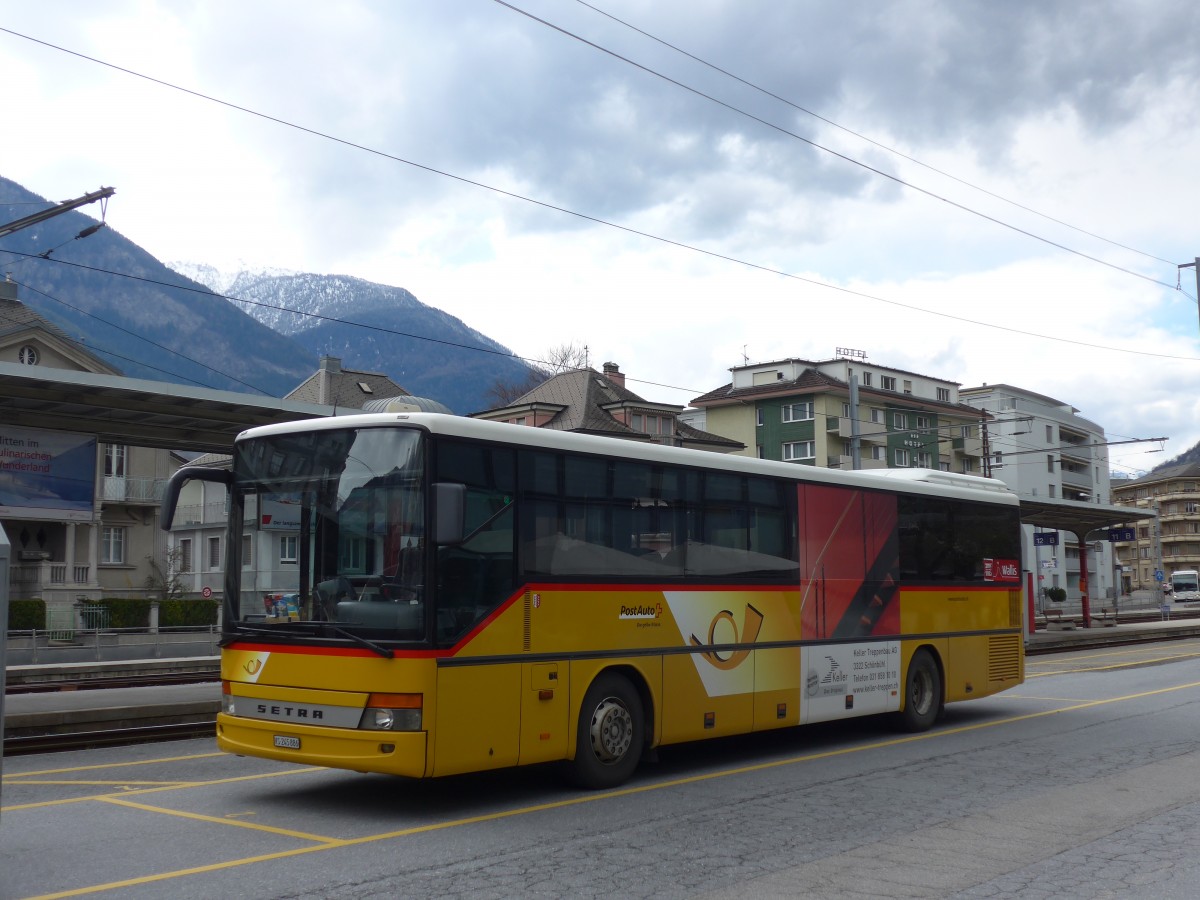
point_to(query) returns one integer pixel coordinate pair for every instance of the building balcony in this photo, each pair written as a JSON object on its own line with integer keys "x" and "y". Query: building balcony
{"x": 971, "y": 446}
{"x": 132, "y": 490}
{"x": 876, "y": 432}
{"x": 1081, "y": 480}
{"x": 199, "y": 514}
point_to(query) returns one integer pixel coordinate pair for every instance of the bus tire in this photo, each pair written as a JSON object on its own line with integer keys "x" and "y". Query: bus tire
{"x": 922, "y": 693}
{"x": 608, "y": 744}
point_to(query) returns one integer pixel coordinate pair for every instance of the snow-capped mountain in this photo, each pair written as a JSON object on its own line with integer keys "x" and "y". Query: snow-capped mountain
{"x": 371, "y": 327}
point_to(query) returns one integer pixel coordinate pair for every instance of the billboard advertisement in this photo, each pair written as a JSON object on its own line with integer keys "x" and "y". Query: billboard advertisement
{"x": 47, "y": 474}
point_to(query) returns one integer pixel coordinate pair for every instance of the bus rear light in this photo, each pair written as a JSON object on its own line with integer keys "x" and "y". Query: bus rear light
{"x": 227, "y": 704}
{"x": 392, "y": 712}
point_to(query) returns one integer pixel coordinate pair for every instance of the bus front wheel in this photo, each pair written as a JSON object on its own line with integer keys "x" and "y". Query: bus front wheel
{"x": 922, "y": 693}
{"x": 611, "y": 732}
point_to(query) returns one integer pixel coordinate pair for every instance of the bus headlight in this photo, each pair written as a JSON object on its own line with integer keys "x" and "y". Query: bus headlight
{"x": 392, "y": 712}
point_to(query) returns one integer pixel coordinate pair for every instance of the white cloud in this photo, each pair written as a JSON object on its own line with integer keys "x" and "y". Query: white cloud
{"x": 1083, "y": 114}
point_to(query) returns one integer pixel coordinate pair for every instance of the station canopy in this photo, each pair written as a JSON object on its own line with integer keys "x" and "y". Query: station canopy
{"x": 121, "y": 410}
{"x": 1077, "y": 517}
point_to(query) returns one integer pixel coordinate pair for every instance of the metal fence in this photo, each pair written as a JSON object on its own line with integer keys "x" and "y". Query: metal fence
{"x": 64, "y": 642}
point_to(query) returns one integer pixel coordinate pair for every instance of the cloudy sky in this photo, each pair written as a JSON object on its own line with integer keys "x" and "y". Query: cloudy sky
{"x": 975, "y": 191}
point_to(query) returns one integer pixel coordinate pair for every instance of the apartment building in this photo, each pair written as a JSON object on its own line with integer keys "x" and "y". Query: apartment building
{"x": 1043, "y": 448}
{"x": 805, "y": 412}
{"x": 1170, "y": 544}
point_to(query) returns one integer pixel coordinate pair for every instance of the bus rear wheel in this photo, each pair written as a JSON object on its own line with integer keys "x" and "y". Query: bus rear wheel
{"x": 922, "y": 693}
{"x": 608, "y": 744}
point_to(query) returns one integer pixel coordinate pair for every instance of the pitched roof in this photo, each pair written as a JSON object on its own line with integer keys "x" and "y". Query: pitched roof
{"x": 331, "y": 385}
{"x": 580, "y": 401}
{"x": 16, "y": 319}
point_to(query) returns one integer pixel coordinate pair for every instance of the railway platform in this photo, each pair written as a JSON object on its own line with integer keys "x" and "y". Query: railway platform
{"x": 68, "y": 699}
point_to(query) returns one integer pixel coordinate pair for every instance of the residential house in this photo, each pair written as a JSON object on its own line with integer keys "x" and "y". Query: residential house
{"x": 81, "y": 514}
{"x": 590, "y": 402}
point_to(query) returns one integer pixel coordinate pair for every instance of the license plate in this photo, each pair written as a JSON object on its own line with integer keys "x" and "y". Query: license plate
{"x": 288, "y": 743}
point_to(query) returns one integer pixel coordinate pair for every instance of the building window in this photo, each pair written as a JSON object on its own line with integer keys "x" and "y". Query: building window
{"x": 968, "y": 465}
{"x": 114, "y": 460}
{"x": 636, "y": 422}
{"x": 758, "y": 417}
{"x": 877, "y": 417}
{"x": 901, "y": 457}
{"x": 247, "y": 551}
{"x": 879, "y": 452}
{"x": 798, "y": 412}
{"x": 800, "y": 451}
{"x": 924, "y": 460}
{"x": 185, "y": 555}
{"x": 907, "y": 386}
{"x": 1049, "y": 434}
{"x": 845, "y": 410}
{"x": 866, "y": 379}
{"x": 899, "y": 421}
{"x": 944, "y": 394}
{"x": 922, "y": 422}
{"x": 28, "y": 355}
{"x": 288, "y": 548}
{"x": 214, "y": 553}
{"x": 1052, "y": 493}
{"x": 1049, "y": 463}
{"x": 965, "y": 431}
{"x": 888, "y": 383}
{"x": 112, "y": 545}
{"x": 762, "y": 454}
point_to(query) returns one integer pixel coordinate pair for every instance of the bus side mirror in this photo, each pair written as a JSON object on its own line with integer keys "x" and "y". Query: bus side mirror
{"x": 188, "y": 473}
{"x": 449, "y": 514}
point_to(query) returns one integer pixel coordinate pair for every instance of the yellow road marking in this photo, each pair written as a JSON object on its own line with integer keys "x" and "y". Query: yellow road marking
{"x": 599, "y": 797}
{"x": 115, "y": 765}
{"x": 163, "y": 787}
{"x": 270, "y": 829}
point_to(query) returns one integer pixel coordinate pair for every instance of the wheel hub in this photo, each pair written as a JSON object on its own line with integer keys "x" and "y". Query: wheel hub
{"x": 611, "y": 731}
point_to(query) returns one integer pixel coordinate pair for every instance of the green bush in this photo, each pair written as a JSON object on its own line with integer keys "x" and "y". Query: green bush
{"x": 1056, "y": 594}
{"x": 26, "y": 615}
{"x": 123, "y": 612}
{"x": 173, "y": 613}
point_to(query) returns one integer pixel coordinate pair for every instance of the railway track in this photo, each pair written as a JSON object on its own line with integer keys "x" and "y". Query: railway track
{"x": 20, "y": 745}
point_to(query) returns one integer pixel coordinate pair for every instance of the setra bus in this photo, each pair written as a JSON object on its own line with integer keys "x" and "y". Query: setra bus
{"x": 1185, "y": 585}
{"x": 426, "y": 595}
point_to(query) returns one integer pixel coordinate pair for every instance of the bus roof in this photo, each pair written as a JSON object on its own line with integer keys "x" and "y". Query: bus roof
{"x": 915, "y": 481}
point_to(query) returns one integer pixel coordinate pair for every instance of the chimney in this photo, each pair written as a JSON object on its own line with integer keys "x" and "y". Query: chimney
{"x": 614, "y": 374}
{"x": 330, "y": 366}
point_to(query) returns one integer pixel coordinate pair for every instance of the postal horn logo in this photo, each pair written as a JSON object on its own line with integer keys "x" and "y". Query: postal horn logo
{"x": 252, "y": 666}
{"x": 751, "y": 624}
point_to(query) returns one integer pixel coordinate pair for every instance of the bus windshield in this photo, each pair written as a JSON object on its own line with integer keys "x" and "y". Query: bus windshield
{"x": 333, "y": 534}
{"x": 1185, "y": 582}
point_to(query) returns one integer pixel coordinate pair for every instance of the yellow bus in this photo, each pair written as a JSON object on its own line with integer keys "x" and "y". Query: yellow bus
{"x": 426, "y": 595}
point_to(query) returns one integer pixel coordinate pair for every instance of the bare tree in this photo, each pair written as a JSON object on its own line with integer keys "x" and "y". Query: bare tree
{"x": 558, "y": 359}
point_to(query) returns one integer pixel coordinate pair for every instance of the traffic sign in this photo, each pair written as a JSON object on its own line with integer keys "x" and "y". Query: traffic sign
{"x": 1158, "y": 574}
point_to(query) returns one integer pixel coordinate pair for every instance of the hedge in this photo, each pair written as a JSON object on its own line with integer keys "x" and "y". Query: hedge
{"x": 26, "y": 615}
{"x": 124, "y": 612}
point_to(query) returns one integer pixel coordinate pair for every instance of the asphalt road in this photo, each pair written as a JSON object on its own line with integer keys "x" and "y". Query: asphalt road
{"x": 1080, "y": 783}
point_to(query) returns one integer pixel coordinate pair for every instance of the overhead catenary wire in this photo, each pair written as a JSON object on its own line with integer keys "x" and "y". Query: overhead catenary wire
{"x": 816, "y": 145}
{"x": 607, "y": 223}
{"x": 863, "y": 137}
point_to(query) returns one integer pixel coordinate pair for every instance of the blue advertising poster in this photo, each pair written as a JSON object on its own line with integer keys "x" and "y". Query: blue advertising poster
{"x": 46, "y": 474}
